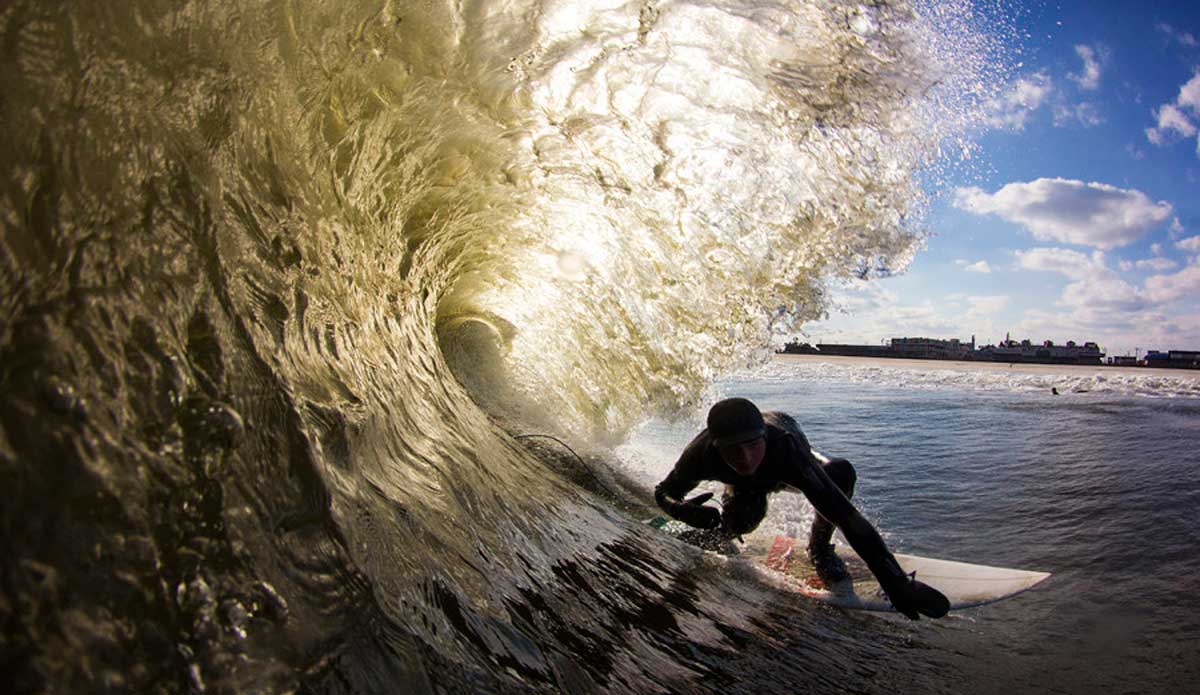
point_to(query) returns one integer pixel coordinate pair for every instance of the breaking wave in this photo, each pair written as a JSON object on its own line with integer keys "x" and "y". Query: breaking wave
{"x": 279, "y": 280}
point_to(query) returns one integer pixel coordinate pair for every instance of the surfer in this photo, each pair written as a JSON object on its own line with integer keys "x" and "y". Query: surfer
{"x": 755, "y": 454}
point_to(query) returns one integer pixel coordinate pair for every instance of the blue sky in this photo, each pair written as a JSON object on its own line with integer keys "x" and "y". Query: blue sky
{"x": 1080, "y": 219}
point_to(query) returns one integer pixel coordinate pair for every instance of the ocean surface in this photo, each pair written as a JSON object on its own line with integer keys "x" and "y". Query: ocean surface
{"x": 983, "y": 463}
{"x": 299, "y": 302}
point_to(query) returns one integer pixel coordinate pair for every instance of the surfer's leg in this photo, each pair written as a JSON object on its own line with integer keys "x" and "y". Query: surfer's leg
{"x": 829, "y": 566}
{"x": 842, "y": 473}
{"x": 743, "y": 511}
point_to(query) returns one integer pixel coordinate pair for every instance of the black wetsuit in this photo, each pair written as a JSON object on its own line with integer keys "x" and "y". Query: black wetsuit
{"x": 788, "y": 462}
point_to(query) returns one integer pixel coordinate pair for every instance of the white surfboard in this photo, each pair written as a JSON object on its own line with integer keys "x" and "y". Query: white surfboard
{"x": 783, "y": 561}
{"x": 964, "y": 584}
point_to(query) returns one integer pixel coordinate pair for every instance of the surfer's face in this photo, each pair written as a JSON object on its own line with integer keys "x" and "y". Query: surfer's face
{"x": 746, "y": 457}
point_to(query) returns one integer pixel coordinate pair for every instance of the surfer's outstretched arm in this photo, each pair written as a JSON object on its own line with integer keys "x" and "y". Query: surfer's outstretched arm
{"x": 909, "y": 596}
{"x": 669, "y": 494}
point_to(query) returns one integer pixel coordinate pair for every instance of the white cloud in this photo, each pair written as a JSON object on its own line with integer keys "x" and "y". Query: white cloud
{"x": 1067, "y": 262}
{"x": 1175, "y": 230}
{"x": 887, "y": 315}
{"x": 1095, "y": 285}
{"x": 1116, "y": 332}
{"x": 1189, "y": 94}
{"x": 1172, "y": 119}
{"x": 1093, "y": 304}
{"x": 1011, "y": 110}
{"x": 1030, "y": 92}
{"x": 1096, "y": 293}
{"x": 881, "y": 323}
{"x": 979, "y": 267}
{"x": 1085, "y": 113}
{"x": 986, "y": 305}
{"x": 1088, "y": 214}
{"x": 1089, "y": 78}
{"x": 1158, "y": 264}
{"x": 1191, "y": 243}
{"x": 1156, "y": 248}
{"x": 1103, "y": 289}
{"x": 856, "y": 296}
{"x": 1183, "y": 37}
{"x": 1169, "y": 288}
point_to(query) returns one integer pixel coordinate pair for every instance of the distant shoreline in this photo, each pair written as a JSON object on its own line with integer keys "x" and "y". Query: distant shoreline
{"x": 982, "y": 366}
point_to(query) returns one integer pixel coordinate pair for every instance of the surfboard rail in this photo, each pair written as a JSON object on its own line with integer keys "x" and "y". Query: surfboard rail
{"x": 965, "y": 584}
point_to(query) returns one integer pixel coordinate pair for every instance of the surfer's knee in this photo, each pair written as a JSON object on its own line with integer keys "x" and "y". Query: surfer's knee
{"x": 743, "y": 513}
{"x": 842, "y": 473}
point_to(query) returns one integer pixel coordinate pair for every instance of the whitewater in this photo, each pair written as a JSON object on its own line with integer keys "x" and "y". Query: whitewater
{"x": 283, "y": 283}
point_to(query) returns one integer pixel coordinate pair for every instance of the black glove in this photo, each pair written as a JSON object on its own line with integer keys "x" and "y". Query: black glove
{"x": 693, "y": 512}
{"x": 911, "y": 597}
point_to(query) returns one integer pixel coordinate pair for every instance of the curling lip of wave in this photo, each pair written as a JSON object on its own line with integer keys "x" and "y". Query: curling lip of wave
{"x": 661, "y": 205}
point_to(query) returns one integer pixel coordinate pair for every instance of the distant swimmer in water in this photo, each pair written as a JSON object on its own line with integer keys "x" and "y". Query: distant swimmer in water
{"x": 1054, "y": 390}
{"x": 756, "y": 453}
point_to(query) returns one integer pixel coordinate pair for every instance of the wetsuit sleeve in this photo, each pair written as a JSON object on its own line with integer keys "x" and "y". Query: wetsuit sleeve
{"x": 683, "y": 477}
{"x": 807, "y": 475}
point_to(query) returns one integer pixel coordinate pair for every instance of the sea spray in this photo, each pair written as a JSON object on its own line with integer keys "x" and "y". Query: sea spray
{"x": 698, "y": 172}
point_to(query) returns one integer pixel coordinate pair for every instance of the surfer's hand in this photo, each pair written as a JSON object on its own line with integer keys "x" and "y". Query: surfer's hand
{"x": 693, "y": 512}
{"x": 914, "y": 598}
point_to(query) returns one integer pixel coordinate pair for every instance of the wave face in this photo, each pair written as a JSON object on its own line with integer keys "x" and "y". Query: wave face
{"x": 279, "y": 279}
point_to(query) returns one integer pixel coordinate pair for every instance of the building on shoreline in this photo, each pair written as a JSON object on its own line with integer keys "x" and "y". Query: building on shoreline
{"x": 1046, "y": 353}
{"x": 1173, "y": 359}
{"x": 1008, "y": 350}
{"x": 933, "y": 348}
{"x": 911, "y": 348}
{"x": 954, "y": 349}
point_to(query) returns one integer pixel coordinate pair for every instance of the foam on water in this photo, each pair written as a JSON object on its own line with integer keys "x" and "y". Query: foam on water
{"x": 1067, "y": 379}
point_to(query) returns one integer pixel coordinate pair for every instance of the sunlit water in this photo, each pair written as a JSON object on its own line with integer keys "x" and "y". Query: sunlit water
{"x": 982, "y": 463}
{"x": 280, "y": 282}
